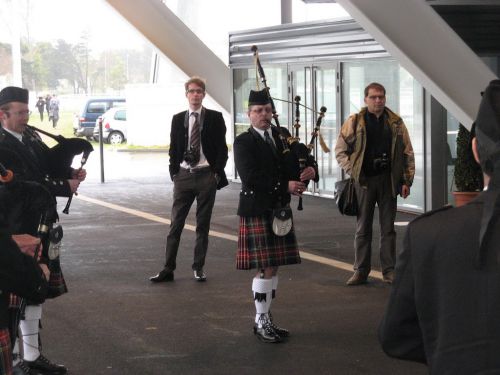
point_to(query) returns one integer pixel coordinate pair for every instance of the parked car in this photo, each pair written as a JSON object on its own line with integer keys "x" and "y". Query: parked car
{"x": 114, "y": 126}
{"x": 84, "y": 122}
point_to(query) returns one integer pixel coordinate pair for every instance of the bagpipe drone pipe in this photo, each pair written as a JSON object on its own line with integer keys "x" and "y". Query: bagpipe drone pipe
{"x": 296, "y": 154}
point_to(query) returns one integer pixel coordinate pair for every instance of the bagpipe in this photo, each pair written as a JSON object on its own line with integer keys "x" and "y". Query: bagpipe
{"x": 62, "y": 154}
{"x": 295, "y": 153}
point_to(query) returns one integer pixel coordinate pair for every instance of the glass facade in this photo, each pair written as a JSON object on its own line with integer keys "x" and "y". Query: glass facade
{"x": 245, "y": 80}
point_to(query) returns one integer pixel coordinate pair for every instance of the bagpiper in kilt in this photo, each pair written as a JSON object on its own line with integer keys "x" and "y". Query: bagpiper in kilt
{"x": 267, "y": 185}
{"x": 33, "y": 163}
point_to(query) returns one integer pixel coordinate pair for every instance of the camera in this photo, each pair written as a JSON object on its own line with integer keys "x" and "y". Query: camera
{"x": 381, "y": 164}
{"x": 192, "y": 156}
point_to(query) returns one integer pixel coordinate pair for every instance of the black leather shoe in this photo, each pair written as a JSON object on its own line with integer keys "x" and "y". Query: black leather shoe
{"x": 164, "y": 276}
{"x": 388, "y": 277}
{"x": 265, "y": 332}
{"x": 357, "y": 279}
{"x": 22, "y": 369}
{"x": 199, "y": 275}
{"x": 43, "y": 365}
{"x": 280, "y": 331}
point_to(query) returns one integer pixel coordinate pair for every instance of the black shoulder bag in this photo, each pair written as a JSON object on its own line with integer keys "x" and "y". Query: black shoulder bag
{"x": 345, "y": 193}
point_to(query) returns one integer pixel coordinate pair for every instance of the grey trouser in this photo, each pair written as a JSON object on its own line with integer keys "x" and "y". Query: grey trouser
{"x": 377, "y": 191}
{"x": 201, "y": 185}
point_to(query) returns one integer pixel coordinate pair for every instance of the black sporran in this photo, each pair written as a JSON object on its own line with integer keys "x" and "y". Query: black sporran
{"x": 345, "y": 197}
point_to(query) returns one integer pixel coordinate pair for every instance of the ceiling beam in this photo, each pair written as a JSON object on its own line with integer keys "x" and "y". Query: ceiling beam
{"x": 423, "y": 43}
{"x": 177, "y": 42}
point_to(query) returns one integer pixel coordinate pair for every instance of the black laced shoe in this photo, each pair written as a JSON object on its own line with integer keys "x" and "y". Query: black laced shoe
{"x": 23, "y": 369}
{"x": 265, "y": 332}
{"x": 280, "y": 331}
{"x": 43, "y": 365}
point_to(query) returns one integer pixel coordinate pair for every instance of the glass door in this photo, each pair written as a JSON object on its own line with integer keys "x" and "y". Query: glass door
{"x": 316, "y": 85}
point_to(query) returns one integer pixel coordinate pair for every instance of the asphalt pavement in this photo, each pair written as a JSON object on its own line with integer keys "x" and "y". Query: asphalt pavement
{"x": 115, "y": 321}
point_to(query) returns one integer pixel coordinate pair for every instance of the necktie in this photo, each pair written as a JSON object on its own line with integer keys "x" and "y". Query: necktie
{"x": 269, "y": 141}
{"x": 195, "y": 139}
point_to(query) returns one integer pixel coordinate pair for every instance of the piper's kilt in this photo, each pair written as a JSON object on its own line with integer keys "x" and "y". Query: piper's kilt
{"x": 259, "y": 247}
{"x": 5, "y": 353}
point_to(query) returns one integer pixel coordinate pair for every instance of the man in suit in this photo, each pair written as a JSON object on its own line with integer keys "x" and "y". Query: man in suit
{"x": 33, "y": 163}
{"x": 267, "y": 184}
{"x": 445, "y": 303}
{"x": 198, "y": 154}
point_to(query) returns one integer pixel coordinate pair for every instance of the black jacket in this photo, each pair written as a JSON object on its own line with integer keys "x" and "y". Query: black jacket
{"x": 19, "y": 274}
{"x": 213, "y": 142}
{"x": 443, "y": 309}
{"x": 264, "y": 174}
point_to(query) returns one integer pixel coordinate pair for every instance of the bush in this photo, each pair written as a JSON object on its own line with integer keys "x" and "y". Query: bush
{"x": 468, "y": 174}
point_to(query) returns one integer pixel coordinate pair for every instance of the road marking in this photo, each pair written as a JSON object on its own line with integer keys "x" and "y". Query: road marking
{"x": 305, "y": 255}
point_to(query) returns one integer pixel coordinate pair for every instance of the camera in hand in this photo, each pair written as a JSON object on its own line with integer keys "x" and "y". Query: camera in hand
{"x": 381, "y": 164}
{"x": 192, "y": 156}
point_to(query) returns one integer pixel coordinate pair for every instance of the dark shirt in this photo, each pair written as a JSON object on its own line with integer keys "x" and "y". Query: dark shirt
{"x": 378, "y": 143}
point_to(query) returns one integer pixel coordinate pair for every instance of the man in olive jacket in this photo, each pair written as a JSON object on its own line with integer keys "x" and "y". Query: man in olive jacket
{"x": 374, "y": 148}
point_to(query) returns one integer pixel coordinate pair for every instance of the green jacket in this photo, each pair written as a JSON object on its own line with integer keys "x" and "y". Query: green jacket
{"x": 351, "y": 144}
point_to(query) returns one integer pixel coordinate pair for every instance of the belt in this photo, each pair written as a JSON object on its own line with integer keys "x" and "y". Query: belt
{"x": 197, "y": 170}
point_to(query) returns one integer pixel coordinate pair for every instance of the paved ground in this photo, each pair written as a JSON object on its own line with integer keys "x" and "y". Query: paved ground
{"x": 114, "y": 321}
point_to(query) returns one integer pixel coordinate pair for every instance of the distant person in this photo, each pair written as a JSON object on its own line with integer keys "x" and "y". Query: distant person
{"x": 374, "y": 148}
{"x": 47, "y": 105}
{"x": 444, "y": 308}
{"x": 54, "y": 110}
{"x": 267, "y": 185}
{"x": 40, "y": 104}
{"x": 198, "y": 154}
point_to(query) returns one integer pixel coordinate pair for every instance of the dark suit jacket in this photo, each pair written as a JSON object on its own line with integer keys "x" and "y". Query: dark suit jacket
{"x": 443, "y": 310}
{"x": 264, "y": 174}
{"x": 213, "y": 142}
{"x": 19, "y": 274}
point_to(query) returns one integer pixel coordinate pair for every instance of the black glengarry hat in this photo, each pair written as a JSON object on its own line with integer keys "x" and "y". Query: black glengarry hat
{"x": 11, "y": 94}
{"x": 259, "y": 97}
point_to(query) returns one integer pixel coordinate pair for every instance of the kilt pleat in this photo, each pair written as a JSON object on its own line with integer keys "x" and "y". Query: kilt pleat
{"x": 5, "y": 353}
{"x": 259, "y": 247}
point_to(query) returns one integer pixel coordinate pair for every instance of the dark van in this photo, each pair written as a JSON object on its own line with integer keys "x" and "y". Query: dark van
{"x": 83, "y": 124}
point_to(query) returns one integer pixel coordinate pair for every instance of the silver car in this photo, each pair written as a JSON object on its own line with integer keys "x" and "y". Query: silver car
{"x": 114, "y": 126}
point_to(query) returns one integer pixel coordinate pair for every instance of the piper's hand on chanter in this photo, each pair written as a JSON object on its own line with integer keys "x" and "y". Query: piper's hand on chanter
{"x": 27, "y": 243}
{"x": 73, "y": 185}
{"x": 79, "y": 174}
{"x": 308, "y": 174}
{"x": 296, "y": 187}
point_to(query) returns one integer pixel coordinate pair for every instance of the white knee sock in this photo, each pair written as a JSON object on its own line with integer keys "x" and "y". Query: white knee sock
{"x": 29, "y": 331}
{"x": 262, "y": 289}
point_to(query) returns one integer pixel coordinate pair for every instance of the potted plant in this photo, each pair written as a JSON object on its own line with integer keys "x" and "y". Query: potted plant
{"x": 467, "y": 175}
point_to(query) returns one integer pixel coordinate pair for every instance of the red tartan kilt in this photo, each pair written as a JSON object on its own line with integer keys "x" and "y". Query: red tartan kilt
{"x": 259, "y": 247}
{"x": 5, "y": 353}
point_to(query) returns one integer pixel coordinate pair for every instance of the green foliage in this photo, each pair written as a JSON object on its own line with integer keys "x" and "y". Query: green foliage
{"x": 468, "y": 174}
